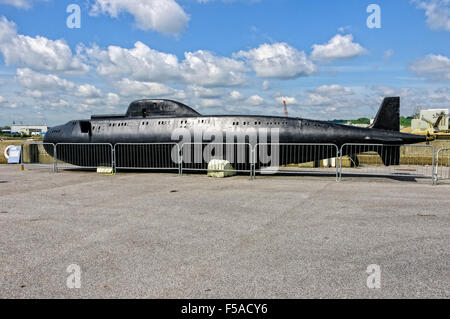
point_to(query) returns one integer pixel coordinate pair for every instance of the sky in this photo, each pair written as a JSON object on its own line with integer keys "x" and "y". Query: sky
{"x": 328, "y": 60}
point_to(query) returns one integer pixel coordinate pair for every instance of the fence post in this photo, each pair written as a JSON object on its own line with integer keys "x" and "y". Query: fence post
{"x": 180, "y": 159}
{"x": 113, "y": 158}
{"x": 55, "y": 160}
{"x": 433, "y": 173}
{"x": 436, "y": 169}
{"x": 341, "y": 154}
{"x": 252, "y": 162}
{"x": 337, "y": 164}
{"x": 255, "y": 156}
{"x": 22, "y": 167}
{"x": 255, "y": 150}
{"x": 250, "y": 158}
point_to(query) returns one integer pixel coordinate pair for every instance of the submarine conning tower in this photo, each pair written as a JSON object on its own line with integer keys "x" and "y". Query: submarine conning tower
{"x": 158, "y": 108}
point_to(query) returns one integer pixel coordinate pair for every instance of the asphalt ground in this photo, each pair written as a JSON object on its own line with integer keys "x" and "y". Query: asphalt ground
{"x": 158, "y": 235}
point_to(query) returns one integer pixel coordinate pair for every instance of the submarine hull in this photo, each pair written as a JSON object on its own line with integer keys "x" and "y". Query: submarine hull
{"x": 165, "y": 121}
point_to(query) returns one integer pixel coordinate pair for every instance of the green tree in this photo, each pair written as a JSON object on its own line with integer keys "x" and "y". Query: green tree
{"x": 405, "y": 121}
{"x": 362, "y": 120}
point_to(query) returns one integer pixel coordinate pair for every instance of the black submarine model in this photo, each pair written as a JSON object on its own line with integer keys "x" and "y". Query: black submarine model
{"x": 156, "y": 120}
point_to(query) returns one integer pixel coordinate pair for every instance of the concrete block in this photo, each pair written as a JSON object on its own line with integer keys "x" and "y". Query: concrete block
{"x": 220, "y": 168}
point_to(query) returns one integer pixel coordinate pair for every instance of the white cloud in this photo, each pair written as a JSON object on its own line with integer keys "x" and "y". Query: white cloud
{"x": 164, "y": 16}
{"x": 384, "y": 91}
{"x": 388, "y": 54}
{"x": 344, "y": 29}
{"x": 265, "y": 85}
{"x": 316, "y": 99}
{"x": 434, "y": 67}
{"x": 47, "y": 87}
{"x": 8, "y": 30}
{"x": 333, "y": 90}
{"x": 38, "y": 53}
{"x": 211, "y": 103}
{"x": 204, "y": 68}
{"x": 61, "y": 103}
{"x": 127, "y": 87}
{"x": 23, "y": 4}
{"x": 142, "y": 63}
{"x": 11, "y": 105}
{"x": 90, "y": 101}
{"x": 112, "y": 99}
{"x": 45, "y": 82}
{"x": 339, "y": 47}
{"x": 289, "y": 100}
{"x": 88, "y": 91}
{"x": 437, "y": 13}
{"x": 236, "y": 95}
{"x": 36, "y": 94}
{"x": 255, "y": 100}
{"x": 2, "y": 99}
{"x": 278, "y": 60}
{"x": 441, "y": 95}
{"x": 202, "y": 92}
{"x": 227, "y": 1}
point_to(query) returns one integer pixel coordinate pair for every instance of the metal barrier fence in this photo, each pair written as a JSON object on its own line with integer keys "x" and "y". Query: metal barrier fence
{"x": 442, "y": 165}
{"x": 263, "y": 158}
{"x": 85, "y": 155}
{"x": 295, "y": 158}
{"x": 164, "y": 156}
{"x": 387, "y": 160}
{"x": 38, "y": 154}
{"x": 196, "y": 156}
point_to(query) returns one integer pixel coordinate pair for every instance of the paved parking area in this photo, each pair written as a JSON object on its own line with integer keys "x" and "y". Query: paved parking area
{"x": 157, "y": 235}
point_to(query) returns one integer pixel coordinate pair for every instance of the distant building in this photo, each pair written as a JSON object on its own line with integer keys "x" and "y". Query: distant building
{"x": 28, "y": 129}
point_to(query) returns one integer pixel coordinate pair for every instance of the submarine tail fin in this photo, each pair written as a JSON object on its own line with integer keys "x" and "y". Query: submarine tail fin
{"x": 388, "y": 116}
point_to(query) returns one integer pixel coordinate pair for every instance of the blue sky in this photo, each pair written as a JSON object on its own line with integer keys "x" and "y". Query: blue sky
{"x": 221, "y": 57}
